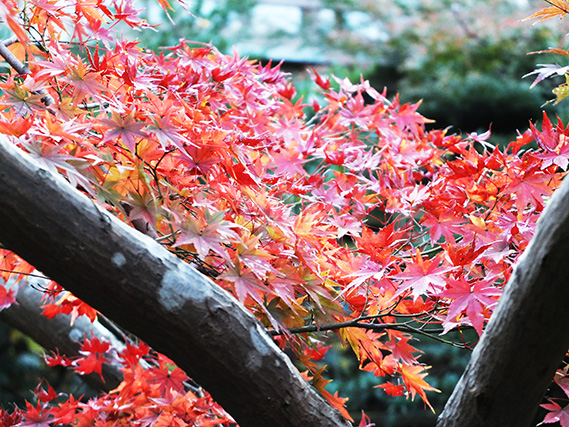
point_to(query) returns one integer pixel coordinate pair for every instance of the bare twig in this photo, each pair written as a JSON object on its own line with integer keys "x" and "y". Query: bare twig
{"x": 10, "y": 41}
{"x": 93, "y": 105}
{"x": 21, "y": 68}
{"x": 376, "y": 327}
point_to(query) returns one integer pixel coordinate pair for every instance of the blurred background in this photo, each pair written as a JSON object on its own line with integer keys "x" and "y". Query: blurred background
{"x": 463, "y": 58}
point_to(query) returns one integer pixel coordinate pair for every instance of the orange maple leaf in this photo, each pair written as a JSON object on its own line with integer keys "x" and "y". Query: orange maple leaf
{"x": 337, "y": 402}
{"x": 412, "y": 376}
{"x": 558, "y": 8}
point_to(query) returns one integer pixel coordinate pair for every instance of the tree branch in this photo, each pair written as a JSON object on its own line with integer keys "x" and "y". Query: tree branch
{"x": 527, "y": 336}
{"x": 11, "y": 59}
{"x": 58, "y": 333}
{"x": 148, "y": 291}
{"x": 21, "y": 69}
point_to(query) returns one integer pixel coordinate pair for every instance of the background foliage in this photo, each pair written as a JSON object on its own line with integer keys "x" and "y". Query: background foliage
{"x": 465, "y": 59}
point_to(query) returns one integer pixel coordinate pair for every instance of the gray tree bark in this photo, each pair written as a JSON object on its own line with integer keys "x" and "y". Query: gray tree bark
{"x": 527, "y": 336}
{"x": 146, "y": 290}
{"x": 59, "y": 334}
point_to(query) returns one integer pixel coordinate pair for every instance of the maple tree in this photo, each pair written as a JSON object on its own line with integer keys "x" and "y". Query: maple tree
{"x": 191, "y": 198}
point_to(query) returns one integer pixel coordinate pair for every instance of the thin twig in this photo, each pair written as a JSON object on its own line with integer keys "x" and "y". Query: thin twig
{"x": 376, "y": 327}
{"x": 22, "y": 69}
{"x": 335, "y": 326}
{"x": 10, "y": 41}
{"x": 41, "y": 276}
{"x": 93, "y": 105}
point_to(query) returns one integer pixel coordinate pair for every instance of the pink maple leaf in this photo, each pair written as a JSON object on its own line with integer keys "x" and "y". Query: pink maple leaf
{"x": 445, "y": 224}
{"x": 367, "y": 270}
{"x": 84, "y": 81}
{"x": 423, "y": 275}
{"x": 471, "y": 299}
{"x": 166, "y": 132}
{"x": 244, "y": 280}
{"x": 555, "y": 146}
{"x": 547, "y": 70}
{"x": 59, "y": 64}
{"x": 207, "y": 232}
{"x": 557, "y": 414}
{"x": 563, "y": 383}
{"x": 288, "y": 163}
{"x": 124, "y": 127}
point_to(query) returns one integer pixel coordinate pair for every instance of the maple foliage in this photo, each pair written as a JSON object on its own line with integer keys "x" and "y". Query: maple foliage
{"x": 342, "y": 214}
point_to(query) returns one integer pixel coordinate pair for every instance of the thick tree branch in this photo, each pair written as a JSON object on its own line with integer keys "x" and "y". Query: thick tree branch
{"x": 527, "y": 337}
{"x": 149, "y": 292}
{"x": 58, "y": 333}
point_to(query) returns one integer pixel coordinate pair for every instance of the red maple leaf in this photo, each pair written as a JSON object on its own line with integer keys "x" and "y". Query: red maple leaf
{"x": 324, "y": 84}
{"x": 401, "y": 349}
{"x": 126, "y": 12}
{"x": 93, "y": 356}
{"x": 7, "y": 296}
{"x": 168, "y": 377}
{"x": 528, "y": 185}
{"x": 392, "y": 389}
{"x": 36, "y": 417}
{"x": 93, "y": 362}
{"x": 94, "y": 345}
{"x": 45, "y": 395}
{"x": 319, "y": 383}
{"x": 132, "y": 354}
{"x": 69, "y": 304}
{"x": 57, "y": 360}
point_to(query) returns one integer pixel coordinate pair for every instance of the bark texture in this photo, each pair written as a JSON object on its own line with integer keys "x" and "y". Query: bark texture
{"x": 146, "y": 290}
{"x": 527, "y": 336}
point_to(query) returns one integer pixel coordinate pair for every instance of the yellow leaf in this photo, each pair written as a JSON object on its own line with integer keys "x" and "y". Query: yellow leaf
{"x": 479, "y": 222}
{"x": 558, "y": 8}
{"x": 561, "y": 91}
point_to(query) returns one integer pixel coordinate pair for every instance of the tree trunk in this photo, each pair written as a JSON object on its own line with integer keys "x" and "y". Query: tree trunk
{"x": 527, "y": 336}
{"x": 148, "y": 291}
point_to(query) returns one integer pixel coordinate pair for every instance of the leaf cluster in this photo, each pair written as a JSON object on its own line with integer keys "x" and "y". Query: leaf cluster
{"x": 211, "y": 155}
